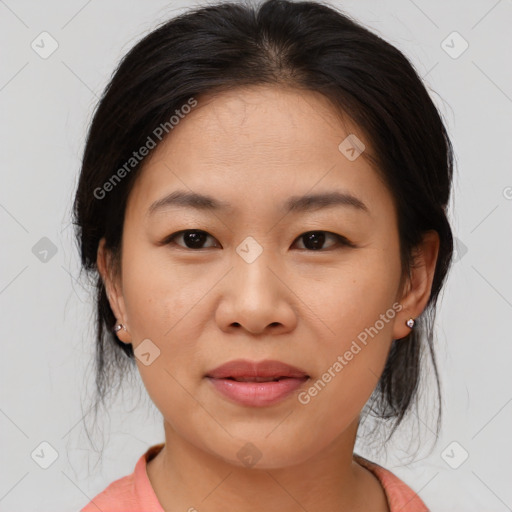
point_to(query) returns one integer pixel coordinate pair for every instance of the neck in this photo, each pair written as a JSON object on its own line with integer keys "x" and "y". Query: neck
{"x": 185, "y": 477}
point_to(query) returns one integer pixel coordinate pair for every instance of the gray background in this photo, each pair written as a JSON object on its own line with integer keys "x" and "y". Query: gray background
{"x": 46, "y": 324}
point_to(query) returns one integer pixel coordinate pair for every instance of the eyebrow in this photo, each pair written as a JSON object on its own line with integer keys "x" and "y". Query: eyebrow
{"x": 305, "y": 203}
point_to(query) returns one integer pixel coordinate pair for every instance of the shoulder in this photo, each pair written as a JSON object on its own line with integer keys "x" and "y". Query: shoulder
{"x": 399, "y": 495}
{"x": 129, "y": 493}
{"x": 121, "y": 492}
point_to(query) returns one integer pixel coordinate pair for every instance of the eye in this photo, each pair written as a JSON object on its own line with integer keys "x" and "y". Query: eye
{"x": 315, "y": 239}
{"x": 194, "y": 238}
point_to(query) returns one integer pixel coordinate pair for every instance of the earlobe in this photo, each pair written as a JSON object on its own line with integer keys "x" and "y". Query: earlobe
{"x": 419, "y": 284}
{"x": 122, "y": 333}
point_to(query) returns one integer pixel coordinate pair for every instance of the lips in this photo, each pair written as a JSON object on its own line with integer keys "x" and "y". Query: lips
{"x": 252, "y": 371}
{"x": 256, "y": 384}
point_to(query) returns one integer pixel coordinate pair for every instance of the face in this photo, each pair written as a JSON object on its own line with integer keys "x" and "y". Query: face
{"x": 315, "y": 286}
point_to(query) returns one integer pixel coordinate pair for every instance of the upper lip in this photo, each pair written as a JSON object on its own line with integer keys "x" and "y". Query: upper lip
{"x": 243, "y": 368}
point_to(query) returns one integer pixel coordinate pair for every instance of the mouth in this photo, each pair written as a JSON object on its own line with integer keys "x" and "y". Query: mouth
{"x": 243, "y": 370}
{"x": 256, "y": 384}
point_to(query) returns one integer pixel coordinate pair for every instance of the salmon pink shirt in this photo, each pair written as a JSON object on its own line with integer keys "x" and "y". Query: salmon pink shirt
{"x": 133, "y": 493}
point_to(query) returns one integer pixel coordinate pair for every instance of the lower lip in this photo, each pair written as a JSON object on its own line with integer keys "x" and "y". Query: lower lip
{"x": 257, "y": 394}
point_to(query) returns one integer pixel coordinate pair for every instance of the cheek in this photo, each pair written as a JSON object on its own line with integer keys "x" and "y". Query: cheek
{"x": 352, "y": 297}
{"x": 164, "y": 305}
{"x": 157, "y": 293}
{"x": 358, "y": 310}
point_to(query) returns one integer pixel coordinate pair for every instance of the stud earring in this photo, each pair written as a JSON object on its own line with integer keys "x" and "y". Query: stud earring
{"x": 410, "y": 323}
{"x": 118, "y": 327}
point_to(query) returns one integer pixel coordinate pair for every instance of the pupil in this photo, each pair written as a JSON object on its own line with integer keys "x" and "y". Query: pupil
{"x": 311, "y": 238}
{"x": 194, "y": 239}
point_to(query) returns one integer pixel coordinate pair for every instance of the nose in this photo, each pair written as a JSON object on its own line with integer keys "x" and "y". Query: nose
{"x": 256, "y": 297}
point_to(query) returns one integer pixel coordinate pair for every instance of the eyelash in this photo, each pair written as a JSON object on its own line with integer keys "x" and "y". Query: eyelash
{"x": 341, "y": 239}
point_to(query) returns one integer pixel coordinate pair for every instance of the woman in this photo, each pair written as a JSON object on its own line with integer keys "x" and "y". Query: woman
{"x": 263, "y": 201}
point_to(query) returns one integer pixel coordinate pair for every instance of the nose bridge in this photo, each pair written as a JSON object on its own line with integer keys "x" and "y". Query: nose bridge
{"x": 256, "y": 291}
{"x": 251, "y": 266}
{"x": 250, "y": 250}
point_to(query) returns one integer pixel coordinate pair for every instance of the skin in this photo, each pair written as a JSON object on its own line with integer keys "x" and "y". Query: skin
{"x": 254, "y": 147}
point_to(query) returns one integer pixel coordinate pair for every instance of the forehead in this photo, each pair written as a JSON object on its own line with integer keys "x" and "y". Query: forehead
{"x": 270, "y": 120}
{"x": 255, "y": 142}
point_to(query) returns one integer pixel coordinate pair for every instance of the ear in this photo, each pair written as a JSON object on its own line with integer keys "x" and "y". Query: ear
{"x": 419, "y": 285}
{"x": 112, "y": 282}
